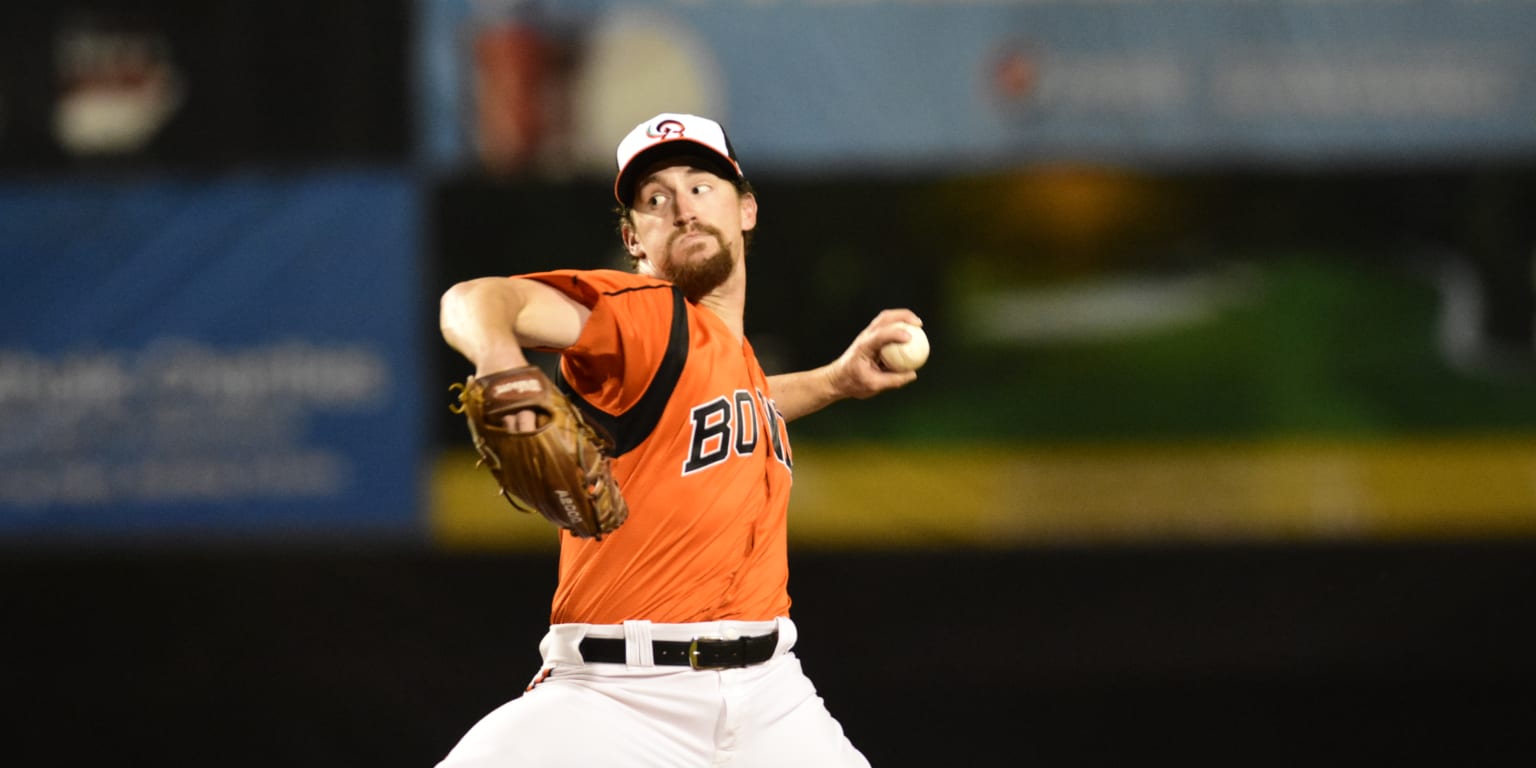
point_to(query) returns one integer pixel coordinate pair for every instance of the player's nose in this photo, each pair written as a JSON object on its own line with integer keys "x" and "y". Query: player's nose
{"x": 683, "y": 212}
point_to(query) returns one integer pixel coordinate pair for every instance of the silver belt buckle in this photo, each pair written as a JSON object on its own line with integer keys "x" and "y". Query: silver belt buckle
{"x": 693, "y": 650}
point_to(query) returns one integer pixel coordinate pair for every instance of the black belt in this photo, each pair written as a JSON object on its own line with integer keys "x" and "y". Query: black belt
{"x": 699, "y": 653}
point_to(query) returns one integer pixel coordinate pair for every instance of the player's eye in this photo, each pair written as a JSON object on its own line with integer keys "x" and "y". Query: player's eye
{"x": 656, "y": 200}
{"x": 699, "y": 189}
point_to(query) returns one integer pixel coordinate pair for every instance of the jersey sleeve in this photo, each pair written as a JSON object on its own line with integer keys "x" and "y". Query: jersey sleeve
{"x": 621, "y": 347}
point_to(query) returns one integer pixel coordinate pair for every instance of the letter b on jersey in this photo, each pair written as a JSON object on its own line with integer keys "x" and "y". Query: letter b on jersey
{"x": 711, "y": 435}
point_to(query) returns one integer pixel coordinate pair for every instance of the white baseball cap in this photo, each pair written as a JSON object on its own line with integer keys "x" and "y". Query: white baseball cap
{"x": 672, "y": 133}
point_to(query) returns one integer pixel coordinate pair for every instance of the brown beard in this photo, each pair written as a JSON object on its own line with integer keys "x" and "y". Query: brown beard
{"x": 697, "y": 278}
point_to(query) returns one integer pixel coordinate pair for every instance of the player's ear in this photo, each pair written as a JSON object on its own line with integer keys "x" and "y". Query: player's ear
{"x": 636, "y": 251}
{"x": 748, "y": 212}
{"x": 631, "y": 241}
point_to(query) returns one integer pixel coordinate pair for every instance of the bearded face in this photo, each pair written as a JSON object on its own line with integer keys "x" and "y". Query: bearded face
{"x": 688, "y": 225}
{"x": 696, "y": 276}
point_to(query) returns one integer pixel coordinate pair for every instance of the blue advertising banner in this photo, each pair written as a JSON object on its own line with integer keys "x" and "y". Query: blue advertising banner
{"x": 223, "y": 357}
{"x": 914, "y": 85}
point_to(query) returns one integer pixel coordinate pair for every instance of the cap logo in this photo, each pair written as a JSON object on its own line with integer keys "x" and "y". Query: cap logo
{"x": 666, "y": 129}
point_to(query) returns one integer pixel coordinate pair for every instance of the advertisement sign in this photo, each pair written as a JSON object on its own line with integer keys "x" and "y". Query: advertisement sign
{"x": 230, "y": 357}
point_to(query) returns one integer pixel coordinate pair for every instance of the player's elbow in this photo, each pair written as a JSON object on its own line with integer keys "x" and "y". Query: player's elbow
{"x": 464, "y": 304}
{"x": 450, "y": 307}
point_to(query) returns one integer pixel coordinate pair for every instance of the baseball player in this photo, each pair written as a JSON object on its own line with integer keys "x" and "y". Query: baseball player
{"x": 670, "y": 642}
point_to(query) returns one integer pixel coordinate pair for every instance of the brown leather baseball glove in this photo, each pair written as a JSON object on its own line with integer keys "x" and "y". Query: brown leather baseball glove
{"x": 561, "y": 469}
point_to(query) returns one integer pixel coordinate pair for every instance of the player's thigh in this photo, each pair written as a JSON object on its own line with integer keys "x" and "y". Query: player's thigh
{"x": 795, "y": 726}
{"x": 560, "y": 724}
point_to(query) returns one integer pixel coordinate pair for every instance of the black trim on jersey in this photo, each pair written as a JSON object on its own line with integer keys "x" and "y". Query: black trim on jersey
{"x": 632, "y": 427}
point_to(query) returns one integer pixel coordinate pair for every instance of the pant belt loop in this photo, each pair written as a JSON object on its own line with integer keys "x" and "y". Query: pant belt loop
{"x": 788, "y": 635}
{"x": 637, "y": 644}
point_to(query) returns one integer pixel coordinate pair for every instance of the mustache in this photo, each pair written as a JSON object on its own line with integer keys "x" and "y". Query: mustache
{"x": 695, "y": 227}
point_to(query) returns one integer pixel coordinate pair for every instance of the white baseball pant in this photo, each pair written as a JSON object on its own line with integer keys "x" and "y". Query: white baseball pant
{"x": 638, "y": 714}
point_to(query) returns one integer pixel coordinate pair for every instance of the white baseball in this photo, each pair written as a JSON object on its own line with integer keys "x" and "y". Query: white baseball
{"x": 909, "y": 355}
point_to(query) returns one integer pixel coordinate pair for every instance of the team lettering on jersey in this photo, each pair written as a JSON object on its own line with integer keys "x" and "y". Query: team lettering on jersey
{"x": 727, "y": 426}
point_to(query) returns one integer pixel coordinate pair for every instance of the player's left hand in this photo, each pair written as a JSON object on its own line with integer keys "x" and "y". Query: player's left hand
{"x": 858, "y": 373}
{"x": 561, "y": 468}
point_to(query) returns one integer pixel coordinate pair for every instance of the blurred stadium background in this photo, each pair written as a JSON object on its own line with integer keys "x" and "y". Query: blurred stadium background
{"x": 1227, "y": 449}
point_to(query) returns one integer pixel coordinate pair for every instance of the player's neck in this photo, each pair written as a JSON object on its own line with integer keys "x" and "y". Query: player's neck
{"x": 729, "y": 301}
{"x": 730, "y": 310}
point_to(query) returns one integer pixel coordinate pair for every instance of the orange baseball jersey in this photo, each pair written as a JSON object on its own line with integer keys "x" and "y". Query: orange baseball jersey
{"x": 702, "y": 457}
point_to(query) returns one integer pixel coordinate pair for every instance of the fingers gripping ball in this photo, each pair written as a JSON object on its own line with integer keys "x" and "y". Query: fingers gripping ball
{"x": 909, "y": 355}
{"x": 561, "y": 469}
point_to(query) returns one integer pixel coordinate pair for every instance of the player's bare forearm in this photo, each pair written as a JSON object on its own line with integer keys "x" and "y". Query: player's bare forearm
{"x": 803, "y": 392}
{"x": 857, "y": 373}
{"x": 491, "y": 320}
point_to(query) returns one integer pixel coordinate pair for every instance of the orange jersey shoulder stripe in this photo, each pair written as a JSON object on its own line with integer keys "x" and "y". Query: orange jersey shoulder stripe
{"x": 706, "y": 466}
